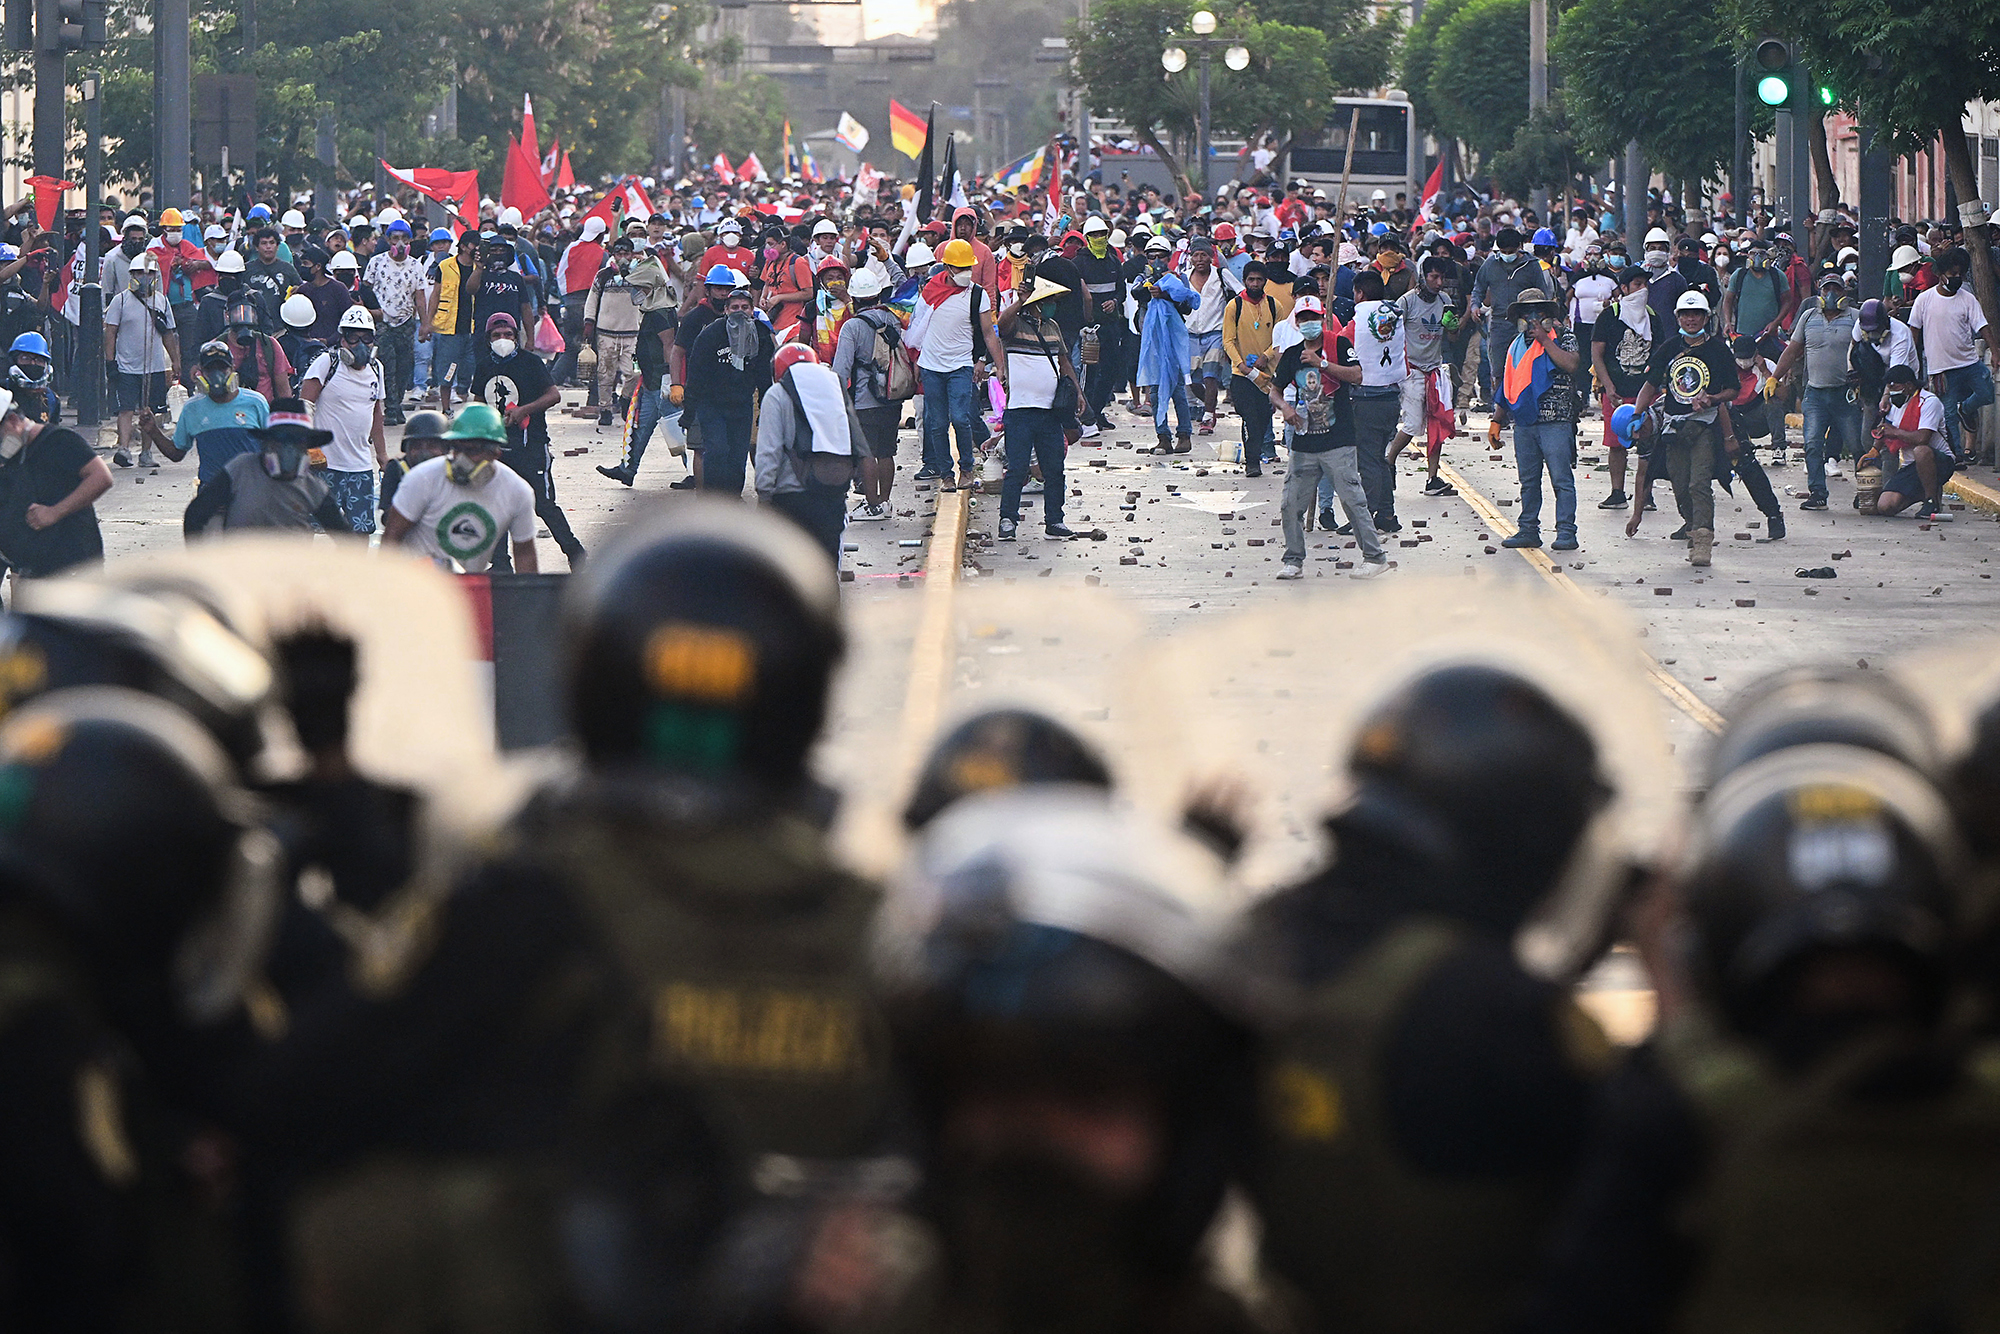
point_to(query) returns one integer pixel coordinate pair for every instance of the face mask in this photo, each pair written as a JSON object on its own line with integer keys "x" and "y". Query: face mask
{"x": 1016, "y": 249}
{"x": 1097, "y": 245}
{"x": 503, "y": 348}
{"x": 1656, "y": 260}
{"x": 398, "y": 250}
{"x": 281, "y": 463}
{"x": 1950, "y": 283}
{"x": 464, "y": 470}
{"x": 30, "y": 377}
{"x": 1898, "y": 399}
{"x": 963, "y": 277}
{"x": 1311, "y": 329}
{"x": 1614, "y": 261}
{"x": 132, "y": 245}
{"x": 357, "y": 356}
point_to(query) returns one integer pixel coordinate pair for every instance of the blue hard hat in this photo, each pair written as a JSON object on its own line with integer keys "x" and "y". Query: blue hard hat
{"x": 1624, "y": 421}
{"x": 259, "y": 211}
{"x": 31, "y": 342}
{"x": 1545, "y": 237}
{"x": 440, "y": 233}
{"x": 695, "y": 200}
{"x": 1379, "y": 229}
{"x": 721, "y": 276}
{"x": 398, "y": 226}
{"x": 1287, "y": 234}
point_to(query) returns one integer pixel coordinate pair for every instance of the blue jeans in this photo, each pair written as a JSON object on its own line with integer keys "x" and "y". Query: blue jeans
{"x": 725, "y": 450}
{"x": 1966, "y": 388}
{"x": 1034, "y": 435}
{"x": 420, "y": 365}
{"x": 947, "y": 403}
{"x": 1831, "y": 418}
{"x": 649, "y": 412}
{"x": 1550, "y": 445}
{"x": 354, "y": 495}
{"x": 1178, "y": 393}
{"x": 449, "y": 350}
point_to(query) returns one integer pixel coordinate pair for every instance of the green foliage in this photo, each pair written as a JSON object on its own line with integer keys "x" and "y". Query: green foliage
{"x": 745, "y": 116}
{"x": 1478, "y": 86}
{"x": 1360, "y": 46}
{"x": 1418, "y": 56}
{"x": 1545, "y": 153}
{"x": 1285, "y": 91}
{"x": 1662, "y": 72}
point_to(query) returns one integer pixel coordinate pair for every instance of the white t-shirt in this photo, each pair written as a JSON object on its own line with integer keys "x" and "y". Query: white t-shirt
{"x": 1929, "y": 416}
{"x": 1949, "y": 325}
{"x": 449, "y": 522}
{"x": 1589, "y": 295}
{"x": 1378, "y": 343}
{"x": 1260, "y": 158}
{"x": 944, "y": 331}
{"x": 346, "y": 406}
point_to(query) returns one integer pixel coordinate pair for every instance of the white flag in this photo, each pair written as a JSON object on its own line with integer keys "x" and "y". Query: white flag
{"x": 851, "y": 133}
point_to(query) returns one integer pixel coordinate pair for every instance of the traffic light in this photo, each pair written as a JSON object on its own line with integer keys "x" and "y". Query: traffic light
{"x": 1826, "y": 97}
{"x": 82, "y": 23}
{"x": 1778, "y": 71}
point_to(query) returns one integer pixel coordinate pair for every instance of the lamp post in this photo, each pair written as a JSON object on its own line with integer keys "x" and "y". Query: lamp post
{"x": 1174, "y": 60}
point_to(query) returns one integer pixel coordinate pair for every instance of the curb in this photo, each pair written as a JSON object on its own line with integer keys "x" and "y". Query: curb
{"x": 930, "y": 650}
{"x": 1979, "y": 495}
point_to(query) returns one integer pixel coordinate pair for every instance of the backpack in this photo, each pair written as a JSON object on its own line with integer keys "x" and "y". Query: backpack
{"x": 892, "y": 375}
{"x": 822, "y": 469}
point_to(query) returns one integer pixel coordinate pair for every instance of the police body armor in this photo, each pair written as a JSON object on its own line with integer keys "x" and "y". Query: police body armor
{"x": 1826, "y": 1212}
{"x": 1374, "y": 1244}
{"x": 747, "y": 947}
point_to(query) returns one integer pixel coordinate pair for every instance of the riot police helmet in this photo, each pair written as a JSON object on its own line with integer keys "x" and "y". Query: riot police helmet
{"x": 1001, "y": 748}
{"x": 1825, "y": 705}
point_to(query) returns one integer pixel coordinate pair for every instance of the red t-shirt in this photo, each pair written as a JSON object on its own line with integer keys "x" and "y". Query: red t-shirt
{"x": 739, "y": 257}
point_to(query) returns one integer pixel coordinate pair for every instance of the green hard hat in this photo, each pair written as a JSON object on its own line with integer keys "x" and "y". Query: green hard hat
{"x": 478, "y": 421}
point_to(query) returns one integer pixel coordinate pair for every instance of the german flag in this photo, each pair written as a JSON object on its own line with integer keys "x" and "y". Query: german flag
{"x": 907, "y": 130}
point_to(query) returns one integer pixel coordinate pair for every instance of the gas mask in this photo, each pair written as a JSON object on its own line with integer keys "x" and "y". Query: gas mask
{"x": 282, "y": 461}
{"x": 464, "y": 469}
{"x": 1829, "y": 302}
{"x": 29, "y": 376}
{"x": 357, "y": 355}
{"x": 502, "y": 348}
{"x": 142, "y": 285}
{"x": 132, "y": 245}
{"x": 243, "y": 330}
{"x": 398, "y": 250}
{"x": 219, "y": 381}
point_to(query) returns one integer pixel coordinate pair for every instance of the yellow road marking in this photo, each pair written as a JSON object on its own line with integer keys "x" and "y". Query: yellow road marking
{"x": 1667, "y": 683}
{"x": 1976, "y": 494}
{"x": 930, "y": 652}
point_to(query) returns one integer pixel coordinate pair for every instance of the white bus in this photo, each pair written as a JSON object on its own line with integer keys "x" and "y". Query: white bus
{"x": 1388, "y": 154}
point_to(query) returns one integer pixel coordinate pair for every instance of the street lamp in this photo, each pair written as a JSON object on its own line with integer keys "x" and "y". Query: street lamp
{"x": 1174, "y": 59}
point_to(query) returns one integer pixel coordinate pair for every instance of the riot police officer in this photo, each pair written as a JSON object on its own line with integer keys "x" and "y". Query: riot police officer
{"x": 1080, "y": 1073}
{"x": 1424, "y": 1098}
{"x": 1809, "y": 1144}
{"x": 105, "y": 972}
{"x": 1001, "y": 748}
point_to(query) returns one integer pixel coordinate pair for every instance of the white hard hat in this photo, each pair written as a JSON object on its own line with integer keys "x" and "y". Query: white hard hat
{"x": 825, "y": 227}
{"x": 357, "y": 317}
{"x": 1095, "y": 225}
{"x": 1658, "y": 236}
{"x": 1377, "y": 195}
{"x": 1118, "y": 238}
{"x": 918, "y": 253}
{"x": 1708, "y": 238}
{"x": 145, "y": 262}
{"x": 1159, "y": 243}
{"x": 298, "y": 312}
{"x": 359, "y": 220}
{"x": 135, "y": 220}
{"x": 1691, "y": 300}
{"x": 866, "y": 284}
{"x": 293, "y": 218}
{"x": 1847, "y": 253}
{"x": 389, "y": 215}
{"x": 510, "y": 217}
{"x": 343, "y": 262}
{"x": 229, "y": 261}
{"x": 1905, "y": 256}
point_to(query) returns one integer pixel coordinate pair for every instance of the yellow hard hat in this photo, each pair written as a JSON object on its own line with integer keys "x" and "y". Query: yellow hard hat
{"x": 957, "y": 255}
{"x": 171, "y": 218}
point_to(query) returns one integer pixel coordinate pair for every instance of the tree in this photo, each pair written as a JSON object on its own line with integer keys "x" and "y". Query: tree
{"x": 1419, "y": 56}
{"x": 1479, "y": 73}
{"x": 1360, "y": 45}
{"x": 745, "y": 115}
{"x": 1908, "y": 70}
{"x": 1662, "y": 72}
{"x": 1544, "y": 154}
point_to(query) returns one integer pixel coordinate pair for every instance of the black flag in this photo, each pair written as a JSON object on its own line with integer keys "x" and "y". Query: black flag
{"x": 924, "y": 178}
{"x": 948, "y": 178}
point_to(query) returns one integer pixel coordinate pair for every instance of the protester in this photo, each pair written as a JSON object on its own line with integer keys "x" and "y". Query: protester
{"x": 1043, "y": 391}
{"x": 870, "y": 344}
{"x": 728, "y": 366}
{"x": 344, "y": 387}
{"x": 270, "y": 484}
{"x": 465, "y": 507}
{"x": 142, "y": 351}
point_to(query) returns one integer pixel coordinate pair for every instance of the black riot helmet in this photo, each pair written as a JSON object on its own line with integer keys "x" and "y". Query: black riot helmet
{"x": 1824, "y": 705}
{"x": 1975, "y": 784}
{"x": 1475, "y": 772}
{"x": 1812, "y": 849}
{"x": 165, "y": 643}
{"x": 1048, "y": 945}
{"x": 1001, "y": 748}
{"x": 122, "y": 824}
{"x": 702, "y": 644}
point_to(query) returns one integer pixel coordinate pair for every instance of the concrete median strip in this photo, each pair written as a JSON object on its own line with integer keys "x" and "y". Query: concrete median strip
{"x": 930, "y": 652}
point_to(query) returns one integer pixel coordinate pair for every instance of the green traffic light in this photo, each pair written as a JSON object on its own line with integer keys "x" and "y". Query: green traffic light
{"x": 1825, "y": 96}
{"x": 1773, "y": 90}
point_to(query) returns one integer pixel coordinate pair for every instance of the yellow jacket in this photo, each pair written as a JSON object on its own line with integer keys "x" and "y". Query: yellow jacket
{"x": 446, "y": 319}
{"x": 1246, "y": 332}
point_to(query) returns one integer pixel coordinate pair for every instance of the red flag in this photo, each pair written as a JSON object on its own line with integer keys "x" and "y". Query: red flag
{"x": 550, "y": 162}
{"x": 528, "y": 130}
{"x": 521, "y": 187}
{"x": 565, "y": 178}
{"x": 458, "y": 191}
{"x": 604, "y": 208}
{"x": 752, "y": 169}
{"x": 48, "y": 198}
{"x": 638, "y": 204}
{"x": 1434, "y": 184}
{"x": 723, "y": 169}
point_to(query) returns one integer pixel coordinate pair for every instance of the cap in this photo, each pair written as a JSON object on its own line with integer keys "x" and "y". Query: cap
{"x": 728, "y": 225}
{"x": 136, "y": 220}
{"x": 215, "y": 233}
{"x": 500, "y": 319}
